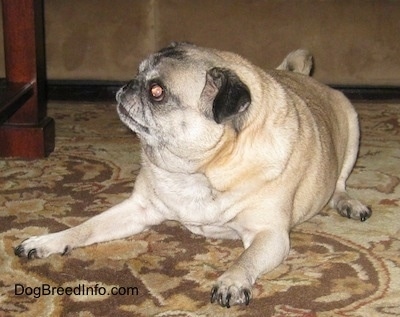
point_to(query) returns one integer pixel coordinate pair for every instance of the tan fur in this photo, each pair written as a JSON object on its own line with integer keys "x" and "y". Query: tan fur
{"x": 247, "y": 163}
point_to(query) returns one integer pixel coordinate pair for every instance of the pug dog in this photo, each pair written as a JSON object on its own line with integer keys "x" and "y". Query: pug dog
{"x": 230, "y": 151}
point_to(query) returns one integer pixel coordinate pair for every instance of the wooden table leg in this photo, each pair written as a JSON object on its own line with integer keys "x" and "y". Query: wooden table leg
{"x": 28, "y": 132}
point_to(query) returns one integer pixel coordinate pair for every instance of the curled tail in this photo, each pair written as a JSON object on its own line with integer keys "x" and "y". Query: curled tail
{"x": 299, "y": 61}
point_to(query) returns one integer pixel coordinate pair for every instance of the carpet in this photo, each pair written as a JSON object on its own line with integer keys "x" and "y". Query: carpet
{"x": 337, "y": 267}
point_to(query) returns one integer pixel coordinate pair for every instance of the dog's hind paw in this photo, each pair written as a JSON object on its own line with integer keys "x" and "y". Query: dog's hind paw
{"x": 349, "y": 207}
{"x": 353, "y": 209}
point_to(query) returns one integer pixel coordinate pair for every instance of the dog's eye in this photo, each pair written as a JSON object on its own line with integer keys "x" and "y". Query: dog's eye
{"x": 157, "y": 92}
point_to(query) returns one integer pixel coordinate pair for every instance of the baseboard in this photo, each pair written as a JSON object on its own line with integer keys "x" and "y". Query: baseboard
{"x": 83, "y": 90}
{"x": 381, "y": 93}
{"x": 104, "y": 90}
{"x": 94, "y": 90}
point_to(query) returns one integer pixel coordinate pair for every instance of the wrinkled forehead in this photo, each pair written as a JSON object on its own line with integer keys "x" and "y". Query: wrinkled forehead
{"x": 179, "y": 58}
{"x": 165, "y": 68}
{"x": 168, "y": 53}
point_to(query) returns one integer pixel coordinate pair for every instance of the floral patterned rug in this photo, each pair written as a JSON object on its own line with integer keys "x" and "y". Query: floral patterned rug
{"x": 337, "y": 267}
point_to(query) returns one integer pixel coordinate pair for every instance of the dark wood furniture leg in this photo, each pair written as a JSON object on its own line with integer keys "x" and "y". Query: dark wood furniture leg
{"x": 25, "y": 130}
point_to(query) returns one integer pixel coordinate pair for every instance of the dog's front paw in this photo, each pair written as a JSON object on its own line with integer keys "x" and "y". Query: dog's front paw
{"x": 41, "y": 246}
{"x": 227, "y": 293}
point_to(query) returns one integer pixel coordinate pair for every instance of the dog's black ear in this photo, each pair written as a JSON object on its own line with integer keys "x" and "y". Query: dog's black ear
{"x": 232, "y": 97}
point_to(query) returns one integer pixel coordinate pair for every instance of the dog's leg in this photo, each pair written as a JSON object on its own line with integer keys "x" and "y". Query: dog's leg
{"x": 341, "y": 201}
{"x": 266, "y": 251}
{"x": 127, "y": 218}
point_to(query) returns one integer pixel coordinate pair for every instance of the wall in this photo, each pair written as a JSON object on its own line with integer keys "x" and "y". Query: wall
{"x": 354, "y": 42}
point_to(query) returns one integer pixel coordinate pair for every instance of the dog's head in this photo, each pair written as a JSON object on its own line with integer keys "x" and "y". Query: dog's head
{"x": 183, "y": 99}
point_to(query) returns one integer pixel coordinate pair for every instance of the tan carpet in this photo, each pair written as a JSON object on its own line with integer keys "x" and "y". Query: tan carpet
{"x": 337, "y": 267}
